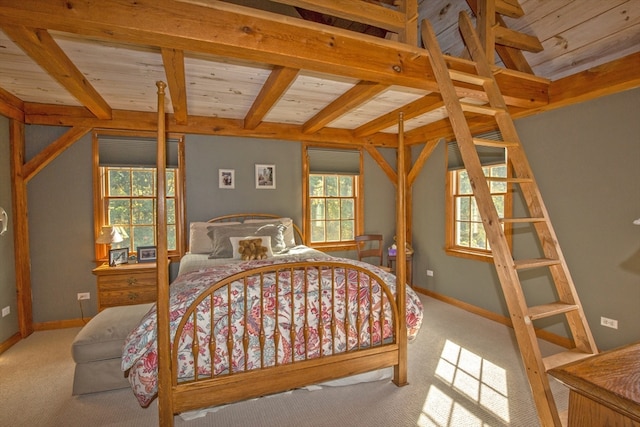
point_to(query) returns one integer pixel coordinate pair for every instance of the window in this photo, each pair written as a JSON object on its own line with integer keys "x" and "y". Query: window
{"x": 332, "y": 202}
{"x": 129, "y": 197}
{"x": 332, "y": 197}
{"x": 465, "y": 234}
{"x": 125, "y": 176}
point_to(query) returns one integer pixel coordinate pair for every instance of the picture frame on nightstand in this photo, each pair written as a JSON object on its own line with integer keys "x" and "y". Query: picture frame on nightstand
{"x": 147, "y": 254}
{"x": 118, "y": 256}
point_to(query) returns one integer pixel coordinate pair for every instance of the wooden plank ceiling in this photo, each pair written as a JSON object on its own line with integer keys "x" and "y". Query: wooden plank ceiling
{"x": 233, "y": 70}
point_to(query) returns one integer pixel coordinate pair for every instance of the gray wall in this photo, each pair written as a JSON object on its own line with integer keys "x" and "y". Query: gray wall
{"x": 586, "y": 159}
{"x": 592, "y": 195}
{"x": 8, "y": 298}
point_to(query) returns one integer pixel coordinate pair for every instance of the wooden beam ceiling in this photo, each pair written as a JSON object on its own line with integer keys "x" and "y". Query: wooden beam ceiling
{"x": 233, "y": 31}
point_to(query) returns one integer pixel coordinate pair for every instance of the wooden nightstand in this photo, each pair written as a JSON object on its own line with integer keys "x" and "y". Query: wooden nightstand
{"x": 126, "y": 284}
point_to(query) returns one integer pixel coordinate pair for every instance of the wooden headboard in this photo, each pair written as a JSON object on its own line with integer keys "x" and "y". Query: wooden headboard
{"x": 241, "y": 217}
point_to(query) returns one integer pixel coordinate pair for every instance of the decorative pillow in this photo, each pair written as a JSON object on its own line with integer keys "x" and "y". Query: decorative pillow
{"x": 199, "y": 241}
{"x": 265, "y": 243}
{"x": 289, "y": 232}
{"x": 221, "y": 243}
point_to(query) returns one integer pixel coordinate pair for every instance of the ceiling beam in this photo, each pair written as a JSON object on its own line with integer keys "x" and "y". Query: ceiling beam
{"x": 357, "y": 95}
{"x": 57, "y": 115}
{"x": 173, "y": 61}
{"x": 11, "y": 106}
{"x": 41, "y": 47}
{"x": 276, "y": 85}
{"x": 53, "y": 150}
{"x": 234, "y": 31}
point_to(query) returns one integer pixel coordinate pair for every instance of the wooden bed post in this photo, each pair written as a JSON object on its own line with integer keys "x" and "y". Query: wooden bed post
{"x": 400, "y": 370}
{"x": 165, "y": 405}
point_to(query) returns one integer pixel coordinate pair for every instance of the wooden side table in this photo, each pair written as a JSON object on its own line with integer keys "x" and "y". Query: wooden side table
{"x": 604, "y": 389}
{"x": 391, "y": 262}
{"x": 126, "y": 284}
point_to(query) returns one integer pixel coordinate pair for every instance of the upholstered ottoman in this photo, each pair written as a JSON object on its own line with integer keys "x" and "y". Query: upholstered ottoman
{"x": 97, "y": 349}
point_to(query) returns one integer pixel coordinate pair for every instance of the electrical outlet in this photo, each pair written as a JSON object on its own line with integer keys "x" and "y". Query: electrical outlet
{"x": 430, "y": 273}
{"x": 609, "y": 323}
{"x": 6, "y": 311}
{"x": 83, "y": 295}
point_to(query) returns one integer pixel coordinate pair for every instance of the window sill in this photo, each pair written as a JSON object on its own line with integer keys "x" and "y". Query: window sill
{"x": 334, "y": 246}
{"x": 469, "y": 254}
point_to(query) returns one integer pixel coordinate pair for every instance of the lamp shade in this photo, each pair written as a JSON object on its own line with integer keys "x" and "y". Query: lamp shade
{"x": 109, "y": 235}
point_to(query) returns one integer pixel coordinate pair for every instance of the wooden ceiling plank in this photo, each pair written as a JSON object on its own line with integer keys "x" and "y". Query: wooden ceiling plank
{"x": 358, "y": 94}
{"x": 173, "y": 61}
{"x": 53, "y": 150}
{"x": 276, "y": 85}
{"x": 40, "y": 46}
{"x": 358, "y": 11}
{"x": 414, "y": 109}
{"x": 232, "y": 31}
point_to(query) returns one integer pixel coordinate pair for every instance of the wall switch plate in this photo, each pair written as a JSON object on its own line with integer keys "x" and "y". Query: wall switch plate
{"x": 83, "y": 295}
{"x": 609, "y": 323}
{"x": 6, "y": 311}
{"x": 430, "y": 273}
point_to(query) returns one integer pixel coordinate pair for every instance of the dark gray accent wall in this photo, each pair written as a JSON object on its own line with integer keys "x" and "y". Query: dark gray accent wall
{"x": 8, "y": 324}
{"x": 586, "y": 159}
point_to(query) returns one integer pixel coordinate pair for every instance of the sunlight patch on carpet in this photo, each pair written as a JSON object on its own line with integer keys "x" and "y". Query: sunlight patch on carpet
{"x": 476, "y": 379}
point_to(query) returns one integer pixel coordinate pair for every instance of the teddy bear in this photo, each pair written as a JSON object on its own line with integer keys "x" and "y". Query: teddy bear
{"x": 250, "y": 249}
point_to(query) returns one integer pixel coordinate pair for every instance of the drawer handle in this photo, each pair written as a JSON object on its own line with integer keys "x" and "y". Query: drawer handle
{"x": 133, "y": 296}
{"x": 132, "y": 280}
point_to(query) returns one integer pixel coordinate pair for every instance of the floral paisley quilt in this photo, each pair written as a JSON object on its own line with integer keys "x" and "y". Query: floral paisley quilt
{"x": 140, "y": 349}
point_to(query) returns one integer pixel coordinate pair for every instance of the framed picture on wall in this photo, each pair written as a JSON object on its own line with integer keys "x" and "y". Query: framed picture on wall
{"x": 265, "y": 176}
{"x": 226, "y": 178}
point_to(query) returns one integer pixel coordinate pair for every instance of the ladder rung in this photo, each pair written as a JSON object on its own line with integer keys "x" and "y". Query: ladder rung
{"x": 534, "y": 262}
{"x": 514, "y": 180}
{"x": 563, "y": 358}
{"x": 480, "y": 109}
{"x": 521, "y": 220}
{"x": 473, "y": 79}
{"x": 492, "y": 143}
{"x": 548, "y": 310}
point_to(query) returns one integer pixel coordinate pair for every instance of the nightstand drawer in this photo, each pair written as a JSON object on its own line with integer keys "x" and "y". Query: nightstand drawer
{"x": 126, "y": 284}
{"x": 118, "y": 281}
{"x": 136, "y": 295}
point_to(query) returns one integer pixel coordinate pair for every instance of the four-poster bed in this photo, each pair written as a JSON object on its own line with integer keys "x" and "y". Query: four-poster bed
{"x": 267, "y": 326}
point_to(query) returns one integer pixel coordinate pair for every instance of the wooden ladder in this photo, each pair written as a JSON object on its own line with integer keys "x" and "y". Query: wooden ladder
{"x": 522, "y": 315}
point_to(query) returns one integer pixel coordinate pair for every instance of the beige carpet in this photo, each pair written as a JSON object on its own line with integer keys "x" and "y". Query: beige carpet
{"x": 464, "y": 370}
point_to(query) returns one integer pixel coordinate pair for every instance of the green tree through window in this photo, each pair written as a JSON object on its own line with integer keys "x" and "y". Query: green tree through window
{"x": 332, "y": 201}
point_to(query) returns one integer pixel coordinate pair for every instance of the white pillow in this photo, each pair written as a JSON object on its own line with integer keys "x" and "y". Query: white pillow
{"x": 266, "y": 242}
{"x": 289, "y": 232}
{"x": 199, "y": 240}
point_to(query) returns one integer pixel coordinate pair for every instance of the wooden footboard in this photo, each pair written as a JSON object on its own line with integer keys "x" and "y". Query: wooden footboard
{"x": 281, "y": 333}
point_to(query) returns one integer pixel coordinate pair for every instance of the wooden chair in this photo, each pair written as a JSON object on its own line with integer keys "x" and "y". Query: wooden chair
{"x": 371, "y": 246}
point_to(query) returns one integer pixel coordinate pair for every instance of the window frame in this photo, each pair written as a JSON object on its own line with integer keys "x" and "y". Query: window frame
{"x": 100, "y": 202}
{"x": 343, "y": 245}
{"x": 451, "y": 247}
